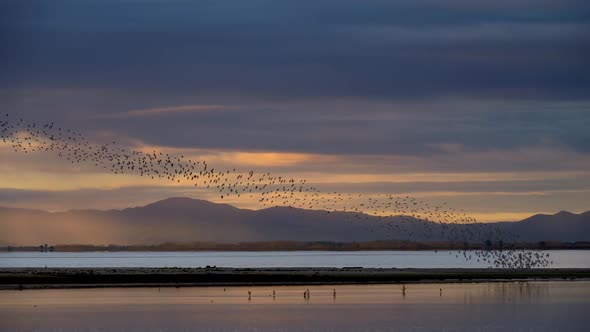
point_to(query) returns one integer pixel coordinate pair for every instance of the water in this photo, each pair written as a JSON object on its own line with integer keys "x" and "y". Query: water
{"x": 510, "y": 306}
{"x": 369, "y": 259}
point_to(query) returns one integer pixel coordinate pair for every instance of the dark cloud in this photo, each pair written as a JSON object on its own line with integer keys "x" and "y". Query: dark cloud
{"x": 74, "y": 61}
{"x": 327, "y": 131}
{"x": 290, "y": 49}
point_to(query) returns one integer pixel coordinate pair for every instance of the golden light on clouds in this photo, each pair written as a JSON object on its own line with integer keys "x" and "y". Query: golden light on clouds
{"x": 72, "y": 181}
{"x": 241, "y": 159}
{"x": 43, "y": 171}
{"x": 505, "y": 216}
{"x": 328, "y": 177}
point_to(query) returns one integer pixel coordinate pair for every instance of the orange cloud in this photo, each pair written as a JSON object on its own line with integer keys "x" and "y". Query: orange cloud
{"x": 241, "y": 159}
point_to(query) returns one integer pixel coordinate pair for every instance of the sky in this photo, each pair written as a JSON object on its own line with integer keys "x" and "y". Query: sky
{"x": 481, "y": 104}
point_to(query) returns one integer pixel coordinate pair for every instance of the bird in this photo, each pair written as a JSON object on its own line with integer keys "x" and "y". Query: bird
{"x": 398, "y": 216}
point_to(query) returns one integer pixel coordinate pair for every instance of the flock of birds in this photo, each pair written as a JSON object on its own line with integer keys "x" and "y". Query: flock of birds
{"x": 401, "y": 216}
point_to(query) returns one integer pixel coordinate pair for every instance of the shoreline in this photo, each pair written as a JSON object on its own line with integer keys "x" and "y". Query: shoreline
{"x": 383, "y": 245}
{"x": 63, "y": 278}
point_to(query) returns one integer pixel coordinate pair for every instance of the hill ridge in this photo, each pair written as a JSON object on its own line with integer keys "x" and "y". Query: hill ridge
{"x": 181, "y": 219}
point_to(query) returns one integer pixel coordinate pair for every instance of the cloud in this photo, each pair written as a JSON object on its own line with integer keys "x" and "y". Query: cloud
{"x": 365, "y": 50}
{"x": 410, "y": 128}
{"x": 161, "y": 111}
{"x": 487, "y": 183}
{"x": 384, "y": 91}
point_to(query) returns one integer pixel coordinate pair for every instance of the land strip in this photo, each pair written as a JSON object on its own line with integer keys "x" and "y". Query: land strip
{"x": 35, "y": 278}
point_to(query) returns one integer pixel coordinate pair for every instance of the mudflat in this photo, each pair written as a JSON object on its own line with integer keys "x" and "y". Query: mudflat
{"x": 29, "y": 278}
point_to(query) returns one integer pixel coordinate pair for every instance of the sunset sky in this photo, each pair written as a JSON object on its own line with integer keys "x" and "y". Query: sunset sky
{"x": 482, "y": 104}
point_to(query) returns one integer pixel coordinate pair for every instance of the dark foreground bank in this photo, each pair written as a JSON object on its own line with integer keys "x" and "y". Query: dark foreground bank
{"x": 26, "y": 278}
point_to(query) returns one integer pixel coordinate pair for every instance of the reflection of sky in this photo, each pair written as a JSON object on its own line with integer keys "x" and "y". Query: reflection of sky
{"x": 453, "y": 293}
{"x": 477, "y": 104}
{"x": 536, "y": 306}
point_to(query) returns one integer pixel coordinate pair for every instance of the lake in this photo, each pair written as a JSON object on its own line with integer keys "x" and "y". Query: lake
{"x": 507, "y": 306}
{"x": 368, "y": 259}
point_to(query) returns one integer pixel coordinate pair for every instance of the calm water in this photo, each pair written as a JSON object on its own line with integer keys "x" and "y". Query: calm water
{"x": 375, "y": 259}
{"x": 513, "y": 306}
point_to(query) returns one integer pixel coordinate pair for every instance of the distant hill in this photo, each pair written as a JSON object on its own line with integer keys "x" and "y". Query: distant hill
{"x": 188, "y": 220}
{"x": 562, "y": 226}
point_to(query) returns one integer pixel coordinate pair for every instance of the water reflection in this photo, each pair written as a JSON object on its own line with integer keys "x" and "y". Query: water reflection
{"x": 525, "y": 306}
{"x": 517, "y": 292}
{"x": 455, "y": 293}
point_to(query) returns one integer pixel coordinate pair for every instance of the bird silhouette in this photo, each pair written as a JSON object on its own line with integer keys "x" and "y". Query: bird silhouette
{"x": 397, "y": 216}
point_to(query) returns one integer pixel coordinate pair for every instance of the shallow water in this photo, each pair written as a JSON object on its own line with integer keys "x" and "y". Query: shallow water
{"x": 369, "y": 259}
{"x": 512, "y": 306}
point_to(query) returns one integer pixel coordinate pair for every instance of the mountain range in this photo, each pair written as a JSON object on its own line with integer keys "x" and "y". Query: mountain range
{"x": 191, "y": 220}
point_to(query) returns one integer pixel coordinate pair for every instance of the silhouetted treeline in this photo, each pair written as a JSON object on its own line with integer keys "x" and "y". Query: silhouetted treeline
{"x": 41, "y": 248}
{"x": 305, "y": 246}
